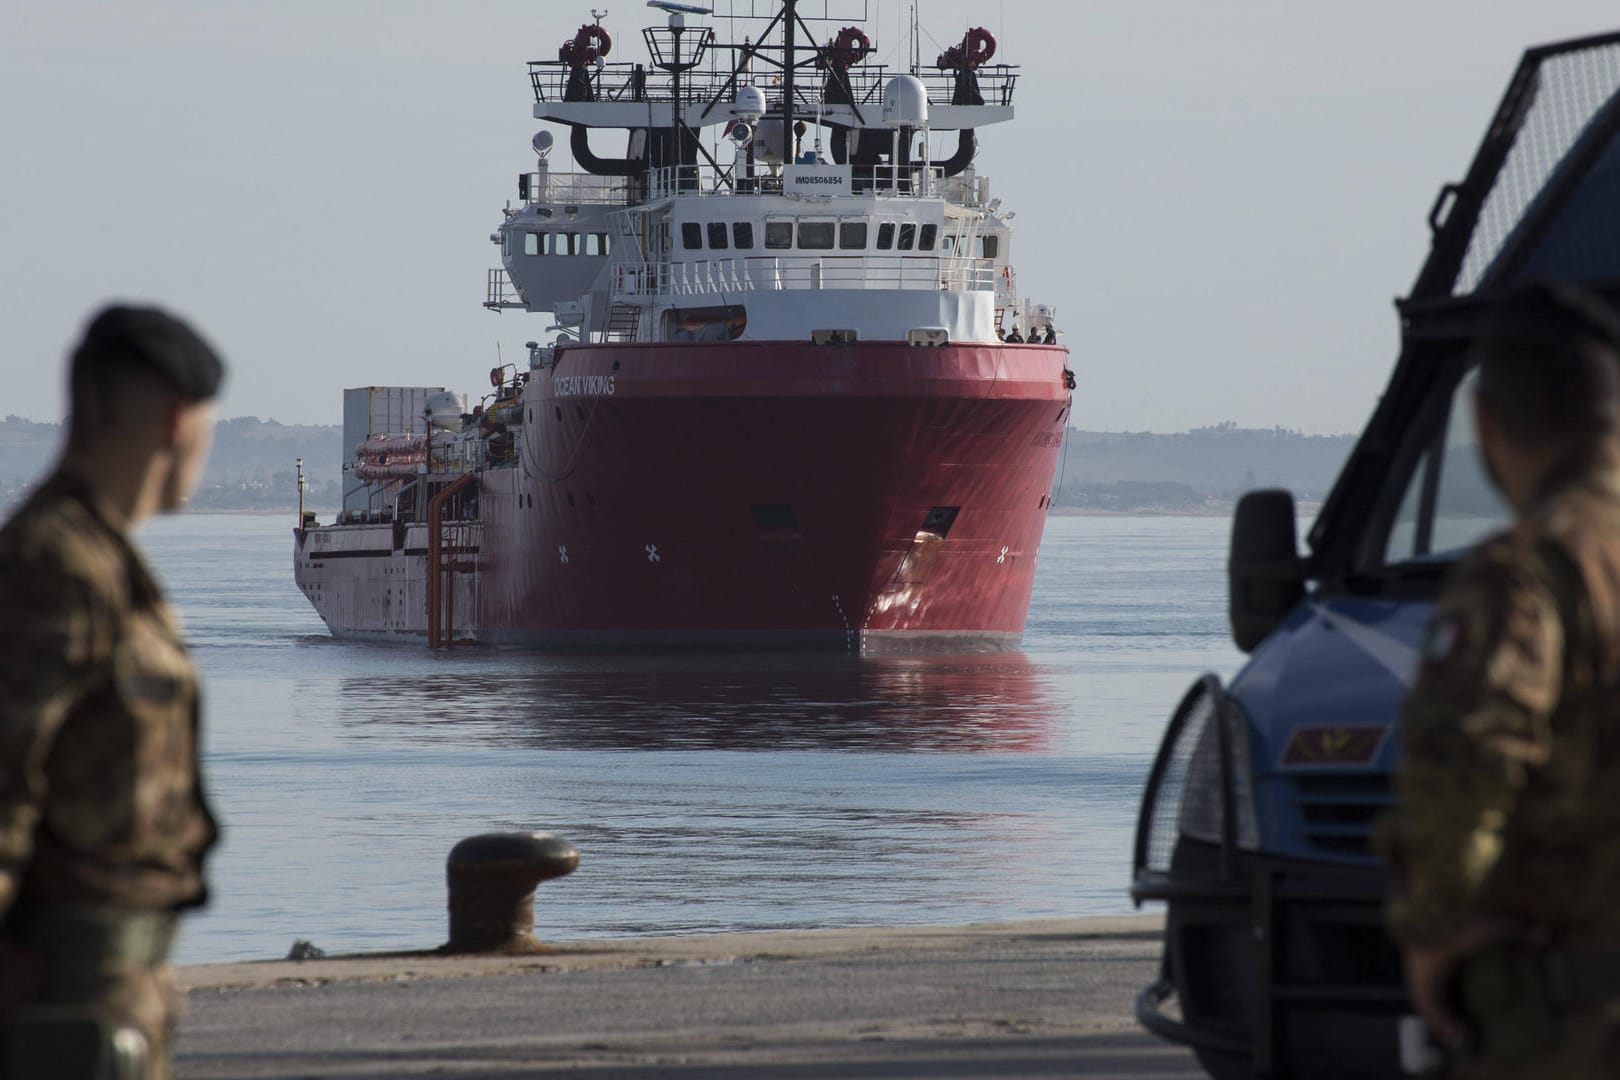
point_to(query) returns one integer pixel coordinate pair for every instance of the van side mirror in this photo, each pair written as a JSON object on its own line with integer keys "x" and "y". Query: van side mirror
{"x": 1266, "y": 575}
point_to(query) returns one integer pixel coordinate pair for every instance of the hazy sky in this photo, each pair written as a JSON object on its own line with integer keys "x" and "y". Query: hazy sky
{"x": 1221, "y": 199}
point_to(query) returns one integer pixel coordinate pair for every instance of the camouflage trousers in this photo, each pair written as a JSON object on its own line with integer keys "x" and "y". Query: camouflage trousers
{"x": 119, "y": 995}
{"x": 1588, "y": 1048}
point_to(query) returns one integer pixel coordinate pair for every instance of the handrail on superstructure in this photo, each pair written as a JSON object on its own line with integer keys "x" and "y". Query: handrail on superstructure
{"x": 889, "y": 181}
{"x": 765, "y": 273}
{"x": 500, "y": 292}
{"x": 621, "y": 82}
{"x": 579, "y": 188}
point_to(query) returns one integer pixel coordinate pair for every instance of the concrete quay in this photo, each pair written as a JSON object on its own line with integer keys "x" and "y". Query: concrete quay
{"x": 1040, "y": 998}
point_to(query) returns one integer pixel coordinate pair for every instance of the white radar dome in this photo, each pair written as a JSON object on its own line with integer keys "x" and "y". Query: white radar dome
{"x": 749, "y": 103}
{"x": 905, "y": 102}
{"x": 444, "y": 410}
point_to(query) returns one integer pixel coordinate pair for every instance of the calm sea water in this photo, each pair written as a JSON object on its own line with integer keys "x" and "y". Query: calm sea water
{"x": 704, "y": 793}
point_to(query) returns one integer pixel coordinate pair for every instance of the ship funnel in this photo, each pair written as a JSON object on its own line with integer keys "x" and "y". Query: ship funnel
{"x": 749, "y": 104}
{"x": 905, "y": 102}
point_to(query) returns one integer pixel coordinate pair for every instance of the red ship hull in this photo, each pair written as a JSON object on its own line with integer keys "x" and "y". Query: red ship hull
{"x": 867, "y": 496}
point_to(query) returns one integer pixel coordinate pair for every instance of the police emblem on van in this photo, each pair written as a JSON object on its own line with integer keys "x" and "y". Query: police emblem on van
{"x": 1337, "y": 745}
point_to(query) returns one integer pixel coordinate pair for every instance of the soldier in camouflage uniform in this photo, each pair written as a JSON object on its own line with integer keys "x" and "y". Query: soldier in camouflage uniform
{"x": 1505, "y": 843}
{"x": 103, "y": 823}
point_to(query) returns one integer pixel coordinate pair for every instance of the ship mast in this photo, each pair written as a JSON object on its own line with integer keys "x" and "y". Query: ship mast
{"x": 789, "y": 139}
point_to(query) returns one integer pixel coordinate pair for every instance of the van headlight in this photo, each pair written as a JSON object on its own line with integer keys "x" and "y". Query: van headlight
{"x": 1201, "y": 780}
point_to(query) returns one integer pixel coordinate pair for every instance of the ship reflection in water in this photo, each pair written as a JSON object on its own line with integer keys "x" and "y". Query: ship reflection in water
{"x": 721, "y": 702}
{"x": 705, "y": 792}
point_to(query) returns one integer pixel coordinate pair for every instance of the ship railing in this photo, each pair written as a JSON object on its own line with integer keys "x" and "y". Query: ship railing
{"x": 887, "y": 180}
{"x": 703, "y": 277}
{"x": 703, "y": 88}
{"x": 499, "y": 292}
{"x": 545, "y": 186}
{"x": 466, "y": 455}
{"x": 996, "y": 84}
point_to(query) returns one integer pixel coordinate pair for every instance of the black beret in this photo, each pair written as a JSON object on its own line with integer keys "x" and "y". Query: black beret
{"x": 157, "y": 341}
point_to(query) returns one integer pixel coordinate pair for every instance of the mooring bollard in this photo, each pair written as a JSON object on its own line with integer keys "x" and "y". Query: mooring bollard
{"x": 492, "y": 879}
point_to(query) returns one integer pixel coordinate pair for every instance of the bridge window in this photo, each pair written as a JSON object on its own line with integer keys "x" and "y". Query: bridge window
{"x": 852, "y": 235}
{"x": 779, "y": 234}
{"x": 908, "y": 237}
{"x": 885, "y": 236}
{"x": 717, "y": 234}
{"x": 816, "y": 235}
{"x": 531, "y": 243}
{"x": 925, "y": 242}
{"x": 989, "y": 246}
{"x": 596, "y": 243}
{"x": 742, "y": 234}
{"x": 691, "y": 235}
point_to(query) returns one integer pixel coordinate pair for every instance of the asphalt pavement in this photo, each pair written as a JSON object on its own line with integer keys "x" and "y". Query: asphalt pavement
{"x": 1046, "y": 998}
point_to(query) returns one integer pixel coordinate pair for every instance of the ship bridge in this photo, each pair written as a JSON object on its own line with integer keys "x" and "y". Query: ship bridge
{"x": 815, "y": 208}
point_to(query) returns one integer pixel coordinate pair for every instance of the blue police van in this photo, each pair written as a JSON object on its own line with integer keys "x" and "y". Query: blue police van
{"x": 1258, "y": 815}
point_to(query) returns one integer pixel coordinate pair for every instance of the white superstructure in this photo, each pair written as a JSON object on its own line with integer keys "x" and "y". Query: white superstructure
{"x": 713, "y": 228}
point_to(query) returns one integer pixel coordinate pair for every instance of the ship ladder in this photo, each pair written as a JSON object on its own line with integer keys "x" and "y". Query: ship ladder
{"x": 623, "y": 322}
{"x": 449, "y": 552}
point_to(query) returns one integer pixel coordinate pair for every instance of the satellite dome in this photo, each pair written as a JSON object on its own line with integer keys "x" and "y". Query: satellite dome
{"x": 905, "y": 102}
{"x": 749, "y": 103}
{"x": 444, "y": 410}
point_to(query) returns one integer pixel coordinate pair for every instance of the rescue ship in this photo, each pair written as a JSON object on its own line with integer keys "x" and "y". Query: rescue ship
{"x": 791, "y": 397}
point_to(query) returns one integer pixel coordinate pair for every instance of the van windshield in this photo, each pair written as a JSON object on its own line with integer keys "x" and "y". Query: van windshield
{"x": 1449, "y": 504}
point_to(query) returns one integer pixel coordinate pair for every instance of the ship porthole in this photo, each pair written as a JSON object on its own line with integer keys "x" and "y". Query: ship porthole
{"x": 558, "y": 410}
{"x": 531, "y": 414}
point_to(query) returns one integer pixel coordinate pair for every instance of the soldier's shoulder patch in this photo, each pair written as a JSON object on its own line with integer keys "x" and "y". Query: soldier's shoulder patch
{"x": 1444, "y": 635}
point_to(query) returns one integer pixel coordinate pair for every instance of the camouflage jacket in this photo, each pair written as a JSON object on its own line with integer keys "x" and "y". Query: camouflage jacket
{"x": 100, "y": 797}
{"x": 1510, "y": 740}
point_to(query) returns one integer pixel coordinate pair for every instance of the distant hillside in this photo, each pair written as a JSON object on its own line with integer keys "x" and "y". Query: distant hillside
{"x": 251, "y": 466}
{"x": 1200, "y": 470}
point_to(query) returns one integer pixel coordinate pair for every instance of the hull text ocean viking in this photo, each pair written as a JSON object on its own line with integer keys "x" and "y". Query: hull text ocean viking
{"x": 583, "y": 385}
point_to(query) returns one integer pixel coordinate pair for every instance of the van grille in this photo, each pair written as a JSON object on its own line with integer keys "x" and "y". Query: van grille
{"x": 1341, "y": 810}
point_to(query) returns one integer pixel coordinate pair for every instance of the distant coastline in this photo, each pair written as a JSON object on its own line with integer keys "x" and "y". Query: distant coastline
{"x": 1194, "y": 473}
{"x": 1201, "y": 472}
